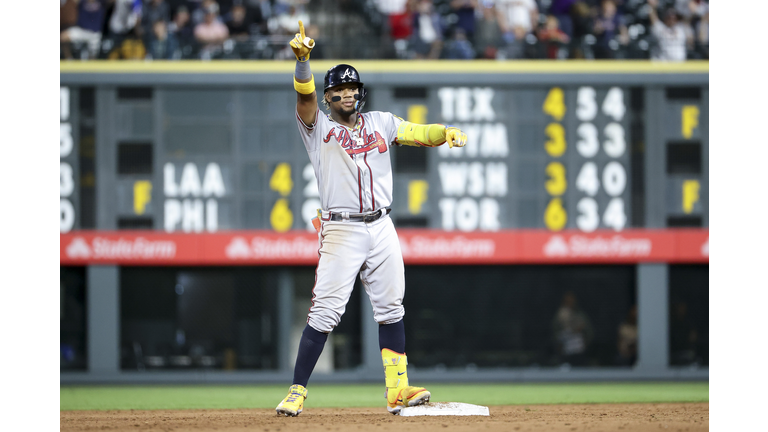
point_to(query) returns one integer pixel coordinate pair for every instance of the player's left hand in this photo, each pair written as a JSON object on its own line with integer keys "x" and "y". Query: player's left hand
{"x": 455, "y": 137}
{"x": 301, "y": 44}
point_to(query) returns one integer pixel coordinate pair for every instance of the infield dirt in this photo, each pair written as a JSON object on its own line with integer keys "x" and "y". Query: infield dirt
{"x": 603, "y": 417}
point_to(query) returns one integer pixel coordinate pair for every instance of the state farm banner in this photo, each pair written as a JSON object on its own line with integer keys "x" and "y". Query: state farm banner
{"x": 134, "y": 247}
{"x": 420, "y": 247}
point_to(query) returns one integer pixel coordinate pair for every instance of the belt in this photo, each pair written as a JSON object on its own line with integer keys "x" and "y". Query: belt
{"x": 356, "y": 217}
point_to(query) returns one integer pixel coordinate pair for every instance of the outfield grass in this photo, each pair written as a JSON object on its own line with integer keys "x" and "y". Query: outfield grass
{"x": 370, "y": 395}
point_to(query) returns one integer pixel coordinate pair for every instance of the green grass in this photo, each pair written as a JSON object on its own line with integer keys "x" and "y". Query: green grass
{"x": 370, "y": 395}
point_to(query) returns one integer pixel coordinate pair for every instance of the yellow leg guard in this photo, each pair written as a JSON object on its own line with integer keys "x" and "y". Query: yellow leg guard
{"x": 395, "y": 369}
{"x": 399, "y": 392}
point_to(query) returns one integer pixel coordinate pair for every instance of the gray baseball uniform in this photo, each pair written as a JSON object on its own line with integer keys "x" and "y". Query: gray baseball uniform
{"x": 354, "y": 176}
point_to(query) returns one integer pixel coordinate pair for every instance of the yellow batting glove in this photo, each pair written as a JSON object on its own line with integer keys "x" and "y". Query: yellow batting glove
{"x": 455, "y": 137}
{"x": 301, "y": 44}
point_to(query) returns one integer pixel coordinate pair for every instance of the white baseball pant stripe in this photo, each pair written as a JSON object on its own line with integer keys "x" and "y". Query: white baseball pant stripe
{"x": 347, "y": 249}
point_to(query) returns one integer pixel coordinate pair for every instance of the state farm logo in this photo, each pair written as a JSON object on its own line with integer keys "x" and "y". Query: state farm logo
{"x": 262, "y": 247}
{"x": 105, "y": 248}
{"x": 705, "y": 248}
{"x": 461, "y": 247}
{"x": 78, "y": 249}
{"x": 556, "y": 246}
{"x": 583, "y": 246}
{"x": 238, "y": 248}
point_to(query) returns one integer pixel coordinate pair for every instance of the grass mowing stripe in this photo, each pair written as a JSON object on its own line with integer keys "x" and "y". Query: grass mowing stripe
{"x": 371, "y": 395}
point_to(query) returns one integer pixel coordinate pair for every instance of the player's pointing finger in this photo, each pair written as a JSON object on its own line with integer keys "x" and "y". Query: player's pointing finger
{"x": 301, "y": 30}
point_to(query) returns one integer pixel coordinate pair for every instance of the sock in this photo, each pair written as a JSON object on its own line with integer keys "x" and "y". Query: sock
{"x": 392, "y": 337}
{"x": 310, "y": 348}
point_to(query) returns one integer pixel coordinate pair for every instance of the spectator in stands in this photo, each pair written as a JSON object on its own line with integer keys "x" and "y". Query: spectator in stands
{"x": 282, "y": 6}
{"x": 572, "y": 331}
{"x": 609, "y": 27}
{"x": 238, "y": 25}
{"x": 68, "y": 14}
{"x": 488, "y": 37}
{"x": 691, "y": 10}
{"x": 562, "y": 10}
{"x": 399, "y": 19}
{"x": 458, "y": 46}
{"x": 581, "y": 17}
{"x": 517, "y": 19}
{"x": 181, "y": 34}
{"x": 260, "y": 12}
{"x": 160, "y": 46}
{"x": 211, "y": 33}
{"x": 131, "y": 48}
{"x": 552, "y": 37}
{"x": 427, "y": 39}
{"x": 288, "y": 22}
{"x": 87, "y": 29}
{"x": 695, "y": 15}
{"x": 465, "y": 11}
{"x": 125, "y": 15}
{"x": 670, "y": 33}
{"x": 153, "y": 11}
{"x": 627, "y": 339}
{"x": 683, "y": 336}
{"x": 198, "y": 13}
{"x": 126, "y": 32}
{"x": 702, "y": 36}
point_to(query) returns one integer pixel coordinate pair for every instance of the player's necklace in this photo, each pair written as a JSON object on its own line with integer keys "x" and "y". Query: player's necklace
{"x": 355, "y": 131}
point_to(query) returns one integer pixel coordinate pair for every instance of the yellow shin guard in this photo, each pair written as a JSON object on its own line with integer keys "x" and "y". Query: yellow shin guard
{"x": 399, "y": 392}
{"x": 395, "y": 369}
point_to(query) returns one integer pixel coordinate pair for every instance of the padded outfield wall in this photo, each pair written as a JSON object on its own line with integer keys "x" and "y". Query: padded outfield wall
{"x": 187, "y": 255}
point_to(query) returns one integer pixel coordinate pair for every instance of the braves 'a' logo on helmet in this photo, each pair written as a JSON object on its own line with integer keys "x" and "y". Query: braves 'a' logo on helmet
{"x": 341, "y": 74}
{"x": 348, "y": 74}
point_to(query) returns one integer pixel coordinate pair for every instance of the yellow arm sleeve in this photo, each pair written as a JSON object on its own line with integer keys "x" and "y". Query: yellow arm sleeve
{"x": 418, "y": 135}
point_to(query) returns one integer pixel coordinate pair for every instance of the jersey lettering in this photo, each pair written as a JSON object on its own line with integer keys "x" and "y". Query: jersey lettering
{"x": 361, "y": 181}
{"x": 342, "y": 136}
{"x": 370, "y": 142}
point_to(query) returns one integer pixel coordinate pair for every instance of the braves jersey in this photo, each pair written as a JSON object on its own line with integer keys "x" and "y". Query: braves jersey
{"x": 352, "y": 165}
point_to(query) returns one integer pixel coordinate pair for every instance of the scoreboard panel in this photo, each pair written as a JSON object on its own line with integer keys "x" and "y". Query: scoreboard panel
{"x": 597, "y": 165}
{"x": 553, "y": 154}
{"x": 554, "y": 158}
{"x": 69, "y": 190}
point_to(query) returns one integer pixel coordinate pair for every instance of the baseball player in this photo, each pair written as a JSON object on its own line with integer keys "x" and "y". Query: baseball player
{"x": 349, "y": 151}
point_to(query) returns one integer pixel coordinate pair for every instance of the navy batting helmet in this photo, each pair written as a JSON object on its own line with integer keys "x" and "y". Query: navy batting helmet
{"x": 342, "y": 74}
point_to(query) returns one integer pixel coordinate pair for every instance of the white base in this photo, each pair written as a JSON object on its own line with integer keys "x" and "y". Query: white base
{"x": 445, "y": 409}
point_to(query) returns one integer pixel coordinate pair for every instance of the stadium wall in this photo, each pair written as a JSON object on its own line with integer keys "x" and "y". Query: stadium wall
{"x": 141, "y": 259}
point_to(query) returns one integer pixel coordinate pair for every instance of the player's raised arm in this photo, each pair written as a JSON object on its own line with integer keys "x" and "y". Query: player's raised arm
{"x": 430, "y": 135}
{"x": 303, "y": 81}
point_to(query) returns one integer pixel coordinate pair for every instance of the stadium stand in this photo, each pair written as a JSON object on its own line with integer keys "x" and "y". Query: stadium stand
{"x": 672, "y": 30}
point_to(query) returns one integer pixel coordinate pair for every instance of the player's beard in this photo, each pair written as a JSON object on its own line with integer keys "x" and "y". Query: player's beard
{"x": 346, "y": 113}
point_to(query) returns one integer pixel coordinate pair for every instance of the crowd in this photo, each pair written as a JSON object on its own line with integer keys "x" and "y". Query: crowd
{"x": 673, "y": 30}
{"x": 177, "y": 29}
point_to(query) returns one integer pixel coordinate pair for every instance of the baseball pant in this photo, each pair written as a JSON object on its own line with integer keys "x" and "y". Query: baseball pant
{"x": 347, "y": 249}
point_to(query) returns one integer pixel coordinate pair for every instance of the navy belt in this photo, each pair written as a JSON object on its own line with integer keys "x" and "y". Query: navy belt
{"x": 360, "y": 217}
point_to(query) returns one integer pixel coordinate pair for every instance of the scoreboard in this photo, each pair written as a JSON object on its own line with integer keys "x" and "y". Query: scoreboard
{"x": 68, "y": 138}
{"x": 552, "y": 149}
{"x": 555, "y": 157}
